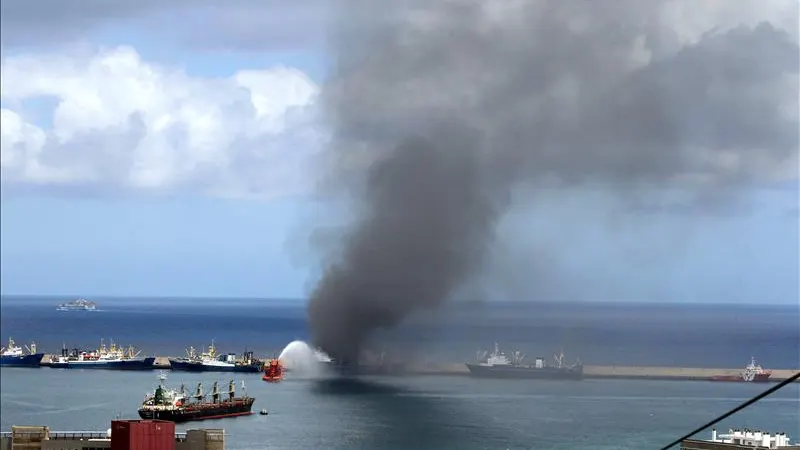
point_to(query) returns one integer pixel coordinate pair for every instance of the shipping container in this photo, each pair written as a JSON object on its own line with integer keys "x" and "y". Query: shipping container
{"x": 142, "y": 435}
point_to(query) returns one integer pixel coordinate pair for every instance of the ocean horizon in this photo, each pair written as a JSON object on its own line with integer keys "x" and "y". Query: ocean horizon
{"x": 601, "y": 333}
{"x": 445, "y": 412}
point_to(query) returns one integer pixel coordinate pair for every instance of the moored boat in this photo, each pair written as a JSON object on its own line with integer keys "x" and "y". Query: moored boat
{"x": 112, "y": 358}
{"x": 752, "y": 373}
{"x": 13, "y": 356}
{"x": 498, "y": 365}
{"x": 210, "y": 361}
{"x": 178, "y": 406}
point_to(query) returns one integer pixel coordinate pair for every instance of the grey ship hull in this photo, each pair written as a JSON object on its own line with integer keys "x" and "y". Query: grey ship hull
{"x": 528, "y": 372}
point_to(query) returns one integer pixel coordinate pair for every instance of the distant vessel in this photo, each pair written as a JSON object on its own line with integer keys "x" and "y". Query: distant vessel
{"x": 115, "y": 358}
{"x": 13, "y": 356}
{"x": 80, "y": 304}
{"x": 498, "y": 365}
{"x": 177, "y": 406}
{"x": 753, "y": 372}
{"x": 209, "y": 361}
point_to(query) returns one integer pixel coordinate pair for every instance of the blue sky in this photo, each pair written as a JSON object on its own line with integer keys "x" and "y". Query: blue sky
{"x": 92, "y": 220}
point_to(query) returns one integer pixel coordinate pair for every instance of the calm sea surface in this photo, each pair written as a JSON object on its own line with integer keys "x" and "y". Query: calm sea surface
{"x": 421, "y": 412}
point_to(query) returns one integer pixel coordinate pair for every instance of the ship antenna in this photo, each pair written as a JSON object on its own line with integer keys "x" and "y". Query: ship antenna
{"x": 744, "y": 405}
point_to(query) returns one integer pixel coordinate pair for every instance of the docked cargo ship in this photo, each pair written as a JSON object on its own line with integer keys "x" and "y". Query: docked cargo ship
{"x": 113, "y": 358}
{"x": 13, "y": 356}
{"x": 177, "y": 406}
{"x": 209, "y": 361}
{"x": 498, "y": 365}
{"x": 80, "y": 304}
{"x": 753, "y": 373}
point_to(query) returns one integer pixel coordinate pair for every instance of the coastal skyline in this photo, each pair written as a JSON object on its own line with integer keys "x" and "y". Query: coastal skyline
{"x": 144, "y": 155}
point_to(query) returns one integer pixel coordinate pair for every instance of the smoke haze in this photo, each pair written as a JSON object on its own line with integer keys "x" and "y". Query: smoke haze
{"x": 439, "y": 109}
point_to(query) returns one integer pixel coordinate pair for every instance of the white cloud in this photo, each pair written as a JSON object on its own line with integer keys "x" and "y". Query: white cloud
{"x": 123, "y": 123}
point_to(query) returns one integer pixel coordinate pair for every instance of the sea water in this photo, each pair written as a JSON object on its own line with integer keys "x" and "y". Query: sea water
{"x": 433, "y": 412}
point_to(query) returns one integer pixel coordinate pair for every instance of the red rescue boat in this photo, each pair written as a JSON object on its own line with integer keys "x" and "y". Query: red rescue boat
{"x": 273, "y": 371}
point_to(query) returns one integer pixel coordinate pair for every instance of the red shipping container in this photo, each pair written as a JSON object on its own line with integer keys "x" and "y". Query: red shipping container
{"x": 142, "y": 435}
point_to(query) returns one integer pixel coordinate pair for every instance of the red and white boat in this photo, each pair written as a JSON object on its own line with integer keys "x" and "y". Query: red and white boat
{"x": 273, "y": 371}
{"x": 752, "y": 373}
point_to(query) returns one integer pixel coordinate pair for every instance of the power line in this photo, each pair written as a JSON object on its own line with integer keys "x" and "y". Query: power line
{"x": 744, "y": 405}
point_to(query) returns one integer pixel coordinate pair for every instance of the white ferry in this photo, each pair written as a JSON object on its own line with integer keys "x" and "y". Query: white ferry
{"x": 80, "y": 304}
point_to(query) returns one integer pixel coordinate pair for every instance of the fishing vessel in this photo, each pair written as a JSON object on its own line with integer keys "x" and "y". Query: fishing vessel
{"x": 753, "y": 372}
{"x": 209, "y": 361}
{"x": 12, "y": 355}
{"x": 113, "y": 357}
{"x": 80, "y": 304}
{"x": 178, "y": 406}
{"x": 498, "y": 365}
{"x": 273, "y": 371}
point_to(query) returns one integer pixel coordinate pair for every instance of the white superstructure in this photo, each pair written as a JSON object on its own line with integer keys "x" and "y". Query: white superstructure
{"x": 751, "y": 438}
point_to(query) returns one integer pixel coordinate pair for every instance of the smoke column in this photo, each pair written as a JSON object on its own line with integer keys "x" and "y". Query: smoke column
{"x": 439, "y": 108}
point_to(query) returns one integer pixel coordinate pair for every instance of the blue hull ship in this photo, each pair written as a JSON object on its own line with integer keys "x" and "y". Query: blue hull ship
{"x": 147, "y": 363}
{"x": 21, "y": 361}
{"x": 13, "y": 356}
{"x": 210, "y": 362}
{"x": 199, "y": 366}
{"x": 114, "y": 358}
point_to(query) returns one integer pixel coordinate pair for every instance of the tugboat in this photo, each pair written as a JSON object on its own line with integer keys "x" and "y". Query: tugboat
{"x": 113, "y": 357}
{"x": 498, "y": 365}
{"x": 13, "y": 356}
{"x": 177, "y": 406}
{"x": 209, "y": 361}
{"x": 273, "y": 372}
{"x": 752, "y": 373}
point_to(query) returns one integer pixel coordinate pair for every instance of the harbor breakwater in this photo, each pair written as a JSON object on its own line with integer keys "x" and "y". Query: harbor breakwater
{"x": 589, "y": 371}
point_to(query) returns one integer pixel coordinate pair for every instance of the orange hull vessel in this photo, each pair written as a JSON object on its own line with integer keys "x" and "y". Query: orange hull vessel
{"x": 753, "y": 373}
{"x": 273, "y": 372}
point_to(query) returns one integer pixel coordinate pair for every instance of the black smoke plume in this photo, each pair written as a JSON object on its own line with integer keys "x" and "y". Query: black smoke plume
{"x": 439, "y": 108}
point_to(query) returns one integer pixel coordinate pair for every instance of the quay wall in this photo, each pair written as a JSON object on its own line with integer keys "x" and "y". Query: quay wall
{"x": 589, "y": 371}
{"x": 627, "y": 372}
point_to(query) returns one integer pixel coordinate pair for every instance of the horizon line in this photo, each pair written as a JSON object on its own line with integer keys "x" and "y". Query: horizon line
{"x": 303, "y": 300}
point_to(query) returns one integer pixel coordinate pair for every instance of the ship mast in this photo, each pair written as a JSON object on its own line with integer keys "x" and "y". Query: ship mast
{"x": 199, "y": 393}
{"x": 215, "y": 393}
{"x": 231, "y": 390}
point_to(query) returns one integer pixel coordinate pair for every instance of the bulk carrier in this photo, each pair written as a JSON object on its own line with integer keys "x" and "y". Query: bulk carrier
{"x": 498, "y": 365}
{"x": 177, "y": 406}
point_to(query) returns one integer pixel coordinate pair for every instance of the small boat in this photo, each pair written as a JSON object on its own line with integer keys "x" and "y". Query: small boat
{"x": 273, "y": 372}
{"x": 263, "y": 412}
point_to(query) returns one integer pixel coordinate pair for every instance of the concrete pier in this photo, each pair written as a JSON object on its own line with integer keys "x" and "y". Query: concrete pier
{"x": 625, "y": 372}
